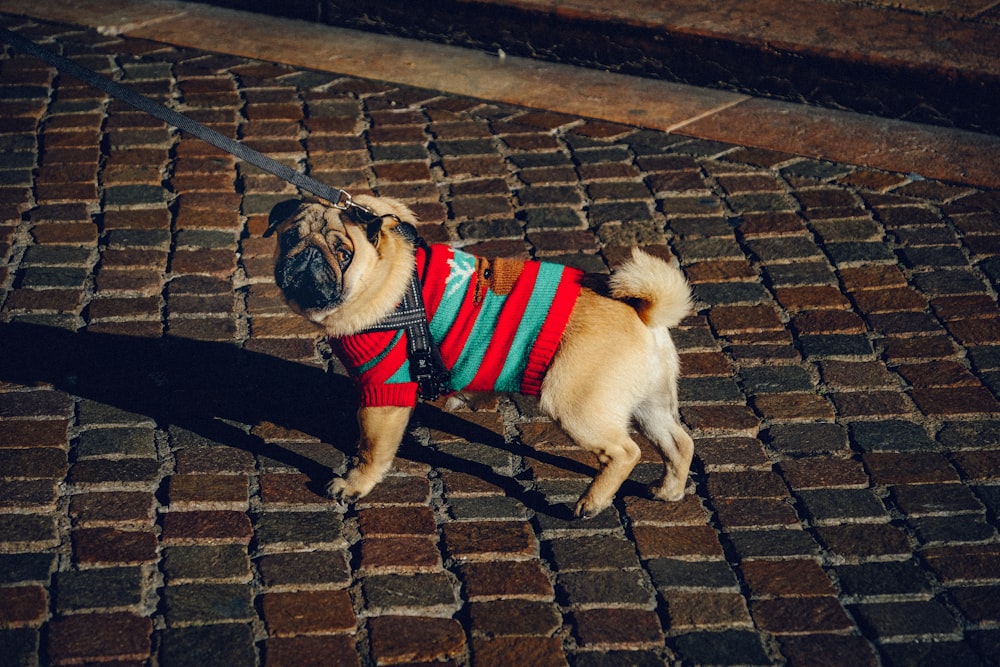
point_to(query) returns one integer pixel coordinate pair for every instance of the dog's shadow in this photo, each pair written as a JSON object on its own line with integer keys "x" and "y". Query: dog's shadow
{"x": 219, "y": 391}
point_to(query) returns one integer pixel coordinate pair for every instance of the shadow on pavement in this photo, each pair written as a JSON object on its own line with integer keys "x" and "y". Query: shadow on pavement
{"x": 220, "y": 392}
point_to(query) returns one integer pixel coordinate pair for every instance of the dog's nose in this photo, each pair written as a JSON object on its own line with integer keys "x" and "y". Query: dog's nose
{"x": 307, "y": 279}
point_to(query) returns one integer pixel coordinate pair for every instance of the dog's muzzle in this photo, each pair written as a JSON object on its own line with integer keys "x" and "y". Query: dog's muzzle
{"x": 307, "y": 279}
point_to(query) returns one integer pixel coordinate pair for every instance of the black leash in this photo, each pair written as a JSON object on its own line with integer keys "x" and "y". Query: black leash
{"x": 426, "y": 367}
{"x": 338, "y": 198}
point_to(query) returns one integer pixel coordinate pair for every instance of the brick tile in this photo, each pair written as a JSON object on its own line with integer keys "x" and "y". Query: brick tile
{"x": 109, "y": 587}
{"x": 962, "y": 307}
{"x": 35, "y": 404}
{"x": 827, "y": 321}
{"x": 304, "y": 568}
{"x": 503, "y": 651}
{"x": 978, "y": 466}
{"x": 399, "y": 554}
{"x": 876, "y": 277}
{"x": 929, "y": 499}
{"x": 213, "y": 460}
{"x": 823, "y": 471}
{"x": 383, "y": 521}
{"x": 590, "y": 552}
{"x": 225, "y": 562}
{"x": 312, "y": 651}
{"x": 891, "y": 468}
{"x": 898, "y": 349}
{"x": 890, "y": 619}
{"x": 617, "y": 628}
{"x": 798, "y": 615}
{"x": 738, "y": 418}
{"x": 722, "y": 647}
{"x": 723, "y": 452}
{"x": 963, "y": 563}
{"x": 793, "y": 407}
{"x": 290, "y": 489}
{"x": 23, "y": 606}
{"x": 230, "y": 491}
{"x": 688, "y": 511}
{"x": 44, "y": 463}
{"x": 870, "y": 404}
{"x": 201, "y": 603}
{"x": 864, "y": 540}
{"x": 978, "y": 603}
{"x": 774, "y": 542}
{"x": 480, "y": 540}
{"x": 677, "y": 541}
{"x": 955, "y": 400}
{"x": 588, "y": 587}
{"x": 306, "y": 612}
{"x": 112, "y": 506}
{"x": 506, "y": 580}
{"x": 805, "y": 298}
{"x": 786, "y": 578}
{"x": 826, "y": 650}
{"x": 402, "y": 639}
{"x": 754, "y": 512}
{"x": 705, "y": 610}
{"x": 746, "y": 484}
{"x": 684, "y": 574}
{"x": 110, "y": 545}
{"x": 499, "y": 618}
{"x": 399, "y": 490}
{"x": 398, "y": 593}
{"x": 937, "y": 373}
{"x": 65, "y": 233}
{"x": 296, "y": 529}
{"x": 99, "y": 638}
{"x": 209, "y": 525}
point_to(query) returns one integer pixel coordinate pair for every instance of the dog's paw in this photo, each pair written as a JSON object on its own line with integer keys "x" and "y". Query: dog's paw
{"x": 669, "y": 490}
{"x": 340, "y": 490}
{"x": 587, "y": 508}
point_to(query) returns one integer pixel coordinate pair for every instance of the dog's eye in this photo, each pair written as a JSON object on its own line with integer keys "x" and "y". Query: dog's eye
{"x": 343, "y": 255}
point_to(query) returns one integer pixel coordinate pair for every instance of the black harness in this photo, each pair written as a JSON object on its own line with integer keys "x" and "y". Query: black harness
{"x": 426, "y": 367}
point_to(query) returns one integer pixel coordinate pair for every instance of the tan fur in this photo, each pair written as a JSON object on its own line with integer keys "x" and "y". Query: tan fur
{"x": 616, "y": 364}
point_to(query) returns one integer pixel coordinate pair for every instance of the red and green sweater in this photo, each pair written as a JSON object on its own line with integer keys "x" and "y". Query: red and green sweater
{"x": 497, "y": 324}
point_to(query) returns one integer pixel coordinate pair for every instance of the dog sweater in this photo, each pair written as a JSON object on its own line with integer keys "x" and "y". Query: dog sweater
{"x": 497, "y": 324}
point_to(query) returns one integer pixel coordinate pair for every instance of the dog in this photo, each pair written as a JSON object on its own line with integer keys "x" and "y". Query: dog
{"x": 597, "y": 362}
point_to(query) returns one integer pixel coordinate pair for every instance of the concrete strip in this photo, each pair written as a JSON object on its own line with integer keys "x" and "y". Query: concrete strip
{"x": 698, "y": 112}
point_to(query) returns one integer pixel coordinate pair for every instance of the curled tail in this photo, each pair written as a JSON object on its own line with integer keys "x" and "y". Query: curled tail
{"x": 660, "y": 289}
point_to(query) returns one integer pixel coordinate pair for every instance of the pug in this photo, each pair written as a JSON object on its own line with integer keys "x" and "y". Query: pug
{"x": 598, "y": 359}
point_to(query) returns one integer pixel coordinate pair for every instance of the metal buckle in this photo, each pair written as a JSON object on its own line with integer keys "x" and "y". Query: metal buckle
{"x": 344, "y": 201}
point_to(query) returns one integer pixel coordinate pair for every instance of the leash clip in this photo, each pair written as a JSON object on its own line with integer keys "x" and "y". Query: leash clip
{"x": 344, "y": 201}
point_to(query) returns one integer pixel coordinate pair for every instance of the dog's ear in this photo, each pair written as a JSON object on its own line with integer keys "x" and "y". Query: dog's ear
{"x": 280, "y": 212}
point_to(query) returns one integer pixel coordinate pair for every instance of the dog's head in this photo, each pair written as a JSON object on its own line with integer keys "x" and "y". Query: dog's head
{"x": 332, "y": 264}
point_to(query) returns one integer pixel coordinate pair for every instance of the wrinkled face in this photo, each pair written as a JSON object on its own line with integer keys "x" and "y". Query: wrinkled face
{"x": 319, "y": 257}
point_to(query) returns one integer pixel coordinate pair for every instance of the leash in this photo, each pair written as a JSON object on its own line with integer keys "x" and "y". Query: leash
{"x": 339, "y": 198}
{"x": 426, "y": 367}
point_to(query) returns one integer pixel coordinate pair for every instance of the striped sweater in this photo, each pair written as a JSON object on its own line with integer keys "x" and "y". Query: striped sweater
{"x": 497, "y": 324}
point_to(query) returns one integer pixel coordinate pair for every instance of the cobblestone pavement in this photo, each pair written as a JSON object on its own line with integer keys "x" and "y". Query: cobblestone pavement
{"x": 166, "y": 424}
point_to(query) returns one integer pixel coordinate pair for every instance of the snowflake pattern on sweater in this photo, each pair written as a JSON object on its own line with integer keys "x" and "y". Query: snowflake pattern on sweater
{"x": 497, "y": 324}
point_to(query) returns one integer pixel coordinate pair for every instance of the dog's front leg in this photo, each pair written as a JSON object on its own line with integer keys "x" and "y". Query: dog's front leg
{"x": 382, "y": 429}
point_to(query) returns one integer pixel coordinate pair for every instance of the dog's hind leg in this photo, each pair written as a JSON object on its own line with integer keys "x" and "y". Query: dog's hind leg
{"x": 599, "y": 425}
{"x": 617, "y": 455}
{"x": 658, "y": 419}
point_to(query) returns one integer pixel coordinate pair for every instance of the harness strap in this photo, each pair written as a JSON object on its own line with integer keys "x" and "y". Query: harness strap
{"x": 339, "y": 198}
{"x": 427, "y": 368}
